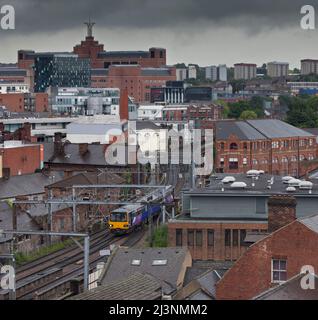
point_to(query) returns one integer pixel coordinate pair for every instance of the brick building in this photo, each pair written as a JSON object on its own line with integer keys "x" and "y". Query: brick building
{"x": 100, "y": 58}
{"x": 25, "y": 102}
{"x": 215, "y": 221}
{"x": 275, "y": 258}
{"x": 201, "y": 113}
{"x": 19, "y": 159}
{"x": 137, "y": 80}
{"x": 269, "y": 145}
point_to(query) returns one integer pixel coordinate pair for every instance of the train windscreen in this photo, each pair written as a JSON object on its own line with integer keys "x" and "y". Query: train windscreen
{"x": 118, "y": 217}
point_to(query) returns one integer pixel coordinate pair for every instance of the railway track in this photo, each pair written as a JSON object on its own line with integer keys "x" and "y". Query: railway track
{"x": 56, "y": 267}
{"x": 50, "y": 260}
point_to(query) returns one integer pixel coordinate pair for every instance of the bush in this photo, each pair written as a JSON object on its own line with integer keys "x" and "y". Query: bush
{"x": 23, "y": 258}
{"x": 160, "y": 237}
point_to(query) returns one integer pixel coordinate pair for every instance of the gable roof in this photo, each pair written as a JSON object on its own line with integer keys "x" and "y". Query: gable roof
{"x": 121, "y": 264}
{"x": 88, "y": 178}
{"x": 136, "y": 286}
{"x": 272, "y": 128}
{"x": 241, "y": 129}
{"x": 258, "y": 130}
{"x": 30, "y": 184}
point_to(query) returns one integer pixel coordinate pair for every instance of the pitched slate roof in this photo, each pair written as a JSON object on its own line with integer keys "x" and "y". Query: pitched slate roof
{"x": 88, "y": 178}
{"x": 136, "y": 286}
{"x": 121, "y": 264}
{"x": 272, "y": 128}
{"x": 290, "y": 290}
{"x": 258, "y": 130}
{"x": 241, "y": 129}
{"x": 30, "y": 184}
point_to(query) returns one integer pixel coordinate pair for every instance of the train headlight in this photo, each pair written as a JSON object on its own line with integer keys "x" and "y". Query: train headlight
{"x": 110, "y": 225}
{"x": 126, "y": 225}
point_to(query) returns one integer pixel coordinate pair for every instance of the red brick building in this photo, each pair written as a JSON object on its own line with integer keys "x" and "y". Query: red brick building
{"x": 19, "y": 159}
{"x": 213, "y": 240}
{"x": 276, "y": 258}
{"x": 100, "y": 58}
{"x": 23, "y": 102}
{"x": 137, "y": 80}
{"x": 269, "y": 145}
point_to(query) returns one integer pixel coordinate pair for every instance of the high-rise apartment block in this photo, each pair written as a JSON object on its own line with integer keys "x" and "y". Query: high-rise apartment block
{"x": 245, "y": 71}
{"x": 277, "y": 69}
{"x": 309, "y": 66}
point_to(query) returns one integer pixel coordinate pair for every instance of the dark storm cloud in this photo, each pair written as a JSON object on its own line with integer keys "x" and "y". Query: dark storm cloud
{"x": 50, "y": 16}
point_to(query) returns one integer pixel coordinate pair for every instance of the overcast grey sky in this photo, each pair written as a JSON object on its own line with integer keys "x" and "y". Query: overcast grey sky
{"x": 193, "y": 31}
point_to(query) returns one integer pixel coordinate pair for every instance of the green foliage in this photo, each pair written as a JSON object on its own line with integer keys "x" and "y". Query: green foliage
{"x": 255, "y": 105}
{"x": 248, "y": 115}
{"x": 302, "y": 111}
{"x": 22, "y": 258}
{"x": 238, "y": 85}
{"x": 160, "y": 237}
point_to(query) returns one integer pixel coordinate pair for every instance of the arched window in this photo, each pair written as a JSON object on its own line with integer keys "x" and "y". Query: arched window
{"x": 233, "y": 146}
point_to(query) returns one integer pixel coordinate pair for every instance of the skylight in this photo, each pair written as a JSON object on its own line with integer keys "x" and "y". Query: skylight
{"x": 136, "y": 262}
{"x": 159, "y": 262}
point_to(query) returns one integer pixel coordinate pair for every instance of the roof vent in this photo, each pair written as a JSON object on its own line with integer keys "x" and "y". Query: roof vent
{"x": 286, "y": 179}
{"x": 306, "y": 185}
{"x": 239, "y": 185}
{"x": 252, "y": 173}
{"x": 294, "y": 182}
{"x": 228, "y": 179}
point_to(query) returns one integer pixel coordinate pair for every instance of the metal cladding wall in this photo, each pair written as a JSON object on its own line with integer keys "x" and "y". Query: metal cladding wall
{"x": 243, "y": 207}
{"x": 228, "y": 207}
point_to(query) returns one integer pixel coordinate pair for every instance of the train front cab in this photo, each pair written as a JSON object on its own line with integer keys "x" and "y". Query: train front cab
{"x": 118, "y": 222}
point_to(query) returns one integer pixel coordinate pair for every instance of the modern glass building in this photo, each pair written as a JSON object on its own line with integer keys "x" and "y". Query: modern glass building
{"x": 60, "y": 70}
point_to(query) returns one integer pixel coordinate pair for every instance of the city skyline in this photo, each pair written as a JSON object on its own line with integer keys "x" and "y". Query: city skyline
{"x": 228, "y": 33}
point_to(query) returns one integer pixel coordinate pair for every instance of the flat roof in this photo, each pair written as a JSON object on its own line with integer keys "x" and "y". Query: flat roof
{"x": 260, "y": 189}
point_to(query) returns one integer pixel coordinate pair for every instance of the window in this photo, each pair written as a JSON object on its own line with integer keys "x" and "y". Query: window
{"x": 190, "y": 238}
{"x": 159, "y": 262}
{"x": 179, "y": 237}
{"x": 136, "y": 262}
{"x": 227, "y": 237}
{"x": 279, "y": 270}
{"x": 210, "y": 238}
{"x": 198, "y": 238}
{"x": 233, "y": 146}
{"x": 242, "y": 237}
{"x": 235, "y": 238}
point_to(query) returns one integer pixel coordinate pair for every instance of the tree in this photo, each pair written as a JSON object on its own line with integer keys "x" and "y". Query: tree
{"x": 248, "y": 115}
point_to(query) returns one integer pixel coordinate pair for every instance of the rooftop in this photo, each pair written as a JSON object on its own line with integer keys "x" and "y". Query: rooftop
{"x": 30, "y": 184}
{"x": 165, "y": 264}
{"x": 290, "y": 290}
{"x": 265, "y": 185}
{"x": 258, "y": 130}
{"x": 137, "y": 286}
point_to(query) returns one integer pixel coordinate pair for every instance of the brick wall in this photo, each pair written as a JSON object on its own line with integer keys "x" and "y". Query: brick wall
{"x": 219, "y": 249}
{"x": 22, "y": 160}
{"x": 251, "y": 274}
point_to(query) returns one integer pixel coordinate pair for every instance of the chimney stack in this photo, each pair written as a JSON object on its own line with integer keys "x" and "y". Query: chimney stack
{"x": 58, "y": 144}
{"x": 83, "y": 148}
{"x": 281, "y": 211}
{"x": 123, "y": 105}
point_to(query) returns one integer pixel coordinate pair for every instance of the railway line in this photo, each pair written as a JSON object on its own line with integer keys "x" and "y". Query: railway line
{"x": 50, "y": 276}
